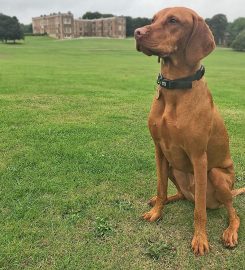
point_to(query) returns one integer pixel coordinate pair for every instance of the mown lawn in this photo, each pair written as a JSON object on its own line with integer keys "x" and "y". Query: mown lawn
{"x": 77, "y": 161}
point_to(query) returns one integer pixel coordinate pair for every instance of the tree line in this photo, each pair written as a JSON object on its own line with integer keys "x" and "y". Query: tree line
{"x": 225, "y": 33}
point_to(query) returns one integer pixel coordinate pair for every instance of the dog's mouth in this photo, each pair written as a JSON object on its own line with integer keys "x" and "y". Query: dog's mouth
{"x": 150, "y": 52}
{"x": 144, "y": 50}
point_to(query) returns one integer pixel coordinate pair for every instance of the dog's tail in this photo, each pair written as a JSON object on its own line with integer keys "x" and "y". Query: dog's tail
{"x": 238, "y": 191}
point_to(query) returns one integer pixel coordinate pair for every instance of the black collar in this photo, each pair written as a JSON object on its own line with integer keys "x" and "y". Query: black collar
{"x": 182, "y": 83}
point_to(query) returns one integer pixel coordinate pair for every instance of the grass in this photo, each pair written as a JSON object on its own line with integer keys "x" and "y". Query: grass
{"x": 77, "y": 161}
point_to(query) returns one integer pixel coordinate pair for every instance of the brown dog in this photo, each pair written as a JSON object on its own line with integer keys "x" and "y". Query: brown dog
{"x": 191, "y": 141}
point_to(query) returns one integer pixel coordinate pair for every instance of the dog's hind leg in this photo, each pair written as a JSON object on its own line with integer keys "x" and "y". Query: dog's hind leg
{"x": 222, "y": 180}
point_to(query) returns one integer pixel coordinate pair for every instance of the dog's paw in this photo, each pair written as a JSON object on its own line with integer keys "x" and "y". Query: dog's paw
{"x": 230, "y": 237}
{"x": 153, "y": 215}
{"x": 200, "y": 244}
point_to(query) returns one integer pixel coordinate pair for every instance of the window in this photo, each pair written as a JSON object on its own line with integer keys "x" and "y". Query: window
{"x": 67, "y": 20}
{"x": 67, "y": 29}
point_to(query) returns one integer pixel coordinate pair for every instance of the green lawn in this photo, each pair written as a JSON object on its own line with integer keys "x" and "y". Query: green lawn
{"x": 77, "y": 161}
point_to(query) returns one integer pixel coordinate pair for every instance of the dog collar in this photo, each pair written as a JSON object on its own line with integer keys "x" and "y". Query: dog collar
{"x": 182, "y": 83}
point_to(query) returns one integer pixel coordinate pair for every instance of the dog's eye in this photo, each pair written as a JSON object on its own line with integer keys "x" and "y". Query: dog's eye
{"x": 172, "y": 20}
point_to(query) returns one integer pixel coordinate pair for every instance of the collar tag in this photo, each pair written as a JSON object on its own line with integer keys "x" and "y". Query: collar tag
{"x": 163, "y": 83}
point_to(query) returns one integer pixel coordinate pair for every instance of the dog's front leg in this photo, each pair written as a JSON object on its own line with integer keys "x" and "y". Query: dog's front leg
{"x": 162, "y": 184}
{"x": 199, "y": 241}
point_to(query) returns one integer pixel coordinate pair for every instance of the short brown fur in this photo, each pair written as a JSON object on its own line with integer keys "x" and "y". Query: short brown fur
{"x": 191, "y": 141}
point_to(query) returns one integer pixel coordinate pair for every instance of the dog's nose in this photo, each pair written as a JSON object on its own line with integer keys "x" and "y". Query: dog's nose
{"x": 140, "y": 32}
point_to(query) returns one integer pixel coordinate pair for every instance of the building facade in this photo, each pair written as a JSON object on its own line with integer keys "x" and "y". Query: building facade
{"x": 63, "y": 25}
{"x": 60, "y": 25}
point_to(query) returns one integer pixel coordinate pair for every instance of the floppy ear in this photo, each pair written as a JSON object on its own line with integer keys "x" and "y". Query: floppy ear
{"x": 201, "y": 42}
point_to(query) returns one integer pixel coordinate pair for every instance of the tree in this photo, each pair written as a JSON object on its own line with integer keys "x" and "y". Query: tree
{"x": 235, "y": 28}
{"x": 4, "y": 22}
{"x": 15, "y": 30}
{"x": 10, "y": 28}
{"x": 239, "y": 43}
{"x": 218, "y": 25}
{"x": 95, "y": 15}
{"x": 133, "y": 23}
{"x": 26, "y": 28}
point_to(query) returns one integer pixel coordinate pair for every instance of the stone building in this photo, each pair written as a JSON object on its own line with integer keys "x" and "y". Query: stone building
{"x": 63, "y": 25}
{"x": 57, "y": 25}
{"x": 114, "y": 27}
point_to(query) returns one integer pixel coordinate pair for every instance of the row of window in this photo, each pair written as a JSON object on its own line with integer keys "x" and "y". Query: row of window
{"x": 67, "y": 20}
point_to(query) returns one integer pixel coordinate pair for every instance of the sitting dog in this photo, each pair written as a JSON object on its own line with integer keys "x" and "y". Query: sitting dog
{"x": 191, "y": 141}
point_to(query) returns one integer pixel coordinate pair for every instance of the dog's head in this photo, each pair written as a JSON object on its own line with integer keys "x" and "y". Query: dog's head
{"x": 176, "y": 31}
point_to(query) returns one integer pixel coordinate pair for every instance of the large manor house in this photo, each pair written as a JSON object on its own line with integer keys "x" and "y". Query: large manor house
{"x": 63, "y": 25}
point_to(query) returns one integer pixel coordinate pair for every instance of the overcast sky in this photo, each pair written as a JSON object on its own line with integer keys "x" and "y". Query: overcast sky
{"x": 24, "y": 10}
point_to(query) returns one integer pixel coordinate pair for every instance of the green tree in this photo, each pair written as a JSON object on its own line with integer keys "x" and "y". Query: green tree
{"x": 4, "y": 25}
{"x": 26, "y": 28}
{"x": 15, "y": 31}
{"x": 235, "y": 28}
{"x": 218, "y": 25}
{"x": 10, "y": 28}
{"x": 239, "y": 43}
{"x": 95, "y": 15}
{"x": 133, "y": 23}
{"x": 129, "y": 26}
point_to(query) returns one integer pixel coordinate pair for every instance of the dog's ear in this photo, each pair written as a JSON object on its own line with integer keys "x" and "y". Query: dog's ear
{"x": 201, "y": 41}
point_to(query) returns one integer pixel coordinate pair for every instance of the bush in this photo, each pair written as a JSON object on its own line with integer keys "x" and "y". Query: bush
{"x": 239, "y": 43}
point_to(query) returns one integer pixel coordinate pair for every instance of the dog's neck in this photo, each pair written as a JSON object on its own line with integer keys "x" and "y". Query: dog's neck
{"x": 175, "y": 68}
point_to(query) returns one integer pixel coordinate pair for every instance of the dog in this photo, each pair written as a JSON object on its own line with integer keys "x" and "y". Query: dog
{"x": 191, "y": 141}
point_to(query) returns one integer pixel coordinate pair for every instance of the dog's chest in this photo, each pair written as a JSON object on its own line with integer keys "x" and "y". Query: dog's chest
{"x": 164, "y": 125}
{"x": 167, "y": 130}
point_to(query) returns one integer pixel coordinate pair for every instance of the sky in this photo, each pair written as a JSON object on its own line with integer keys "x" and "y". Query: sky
{"x": 24, "y": 10}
